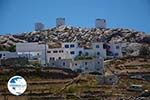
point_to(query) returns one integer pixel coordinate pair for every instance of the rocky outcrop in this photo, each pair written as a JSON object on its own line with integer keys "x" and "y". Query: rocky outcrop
{"x": 9, "y": 40}
{"x": 75, "y": 34}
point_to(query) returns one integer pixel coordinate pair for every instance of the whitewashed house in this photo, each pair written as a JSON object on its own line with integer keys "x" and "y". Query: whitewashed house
{"x": 99, "y": 49}
{"x": 32, "y": 51}
{"x": 114, "y": 50}
{"x": 72, "y": 49}
{"x": 7, "y": 54}
{"x": 82, "y": 65}
{"x": 66, "y": 55}
{"x": 67, "y": 51}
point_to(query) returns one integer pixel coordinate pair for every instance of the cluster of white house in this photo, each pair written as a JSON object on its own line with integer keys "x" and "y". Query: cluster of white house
{"x": 69, "y": 55}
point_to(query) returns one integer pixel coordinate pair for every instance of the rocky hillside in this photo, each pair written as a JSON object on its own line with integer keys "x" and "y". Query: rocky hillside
{"x": 71, "y": 34}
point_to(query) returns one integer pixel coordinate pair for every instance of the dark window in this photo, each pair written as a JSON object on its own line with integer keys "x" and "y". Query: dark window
{"x": 104, "y": 46}
{"x": 59, "y": 57}
{"x": 72, "y": 52}
{"x": 64, "y": 63}
{"x": 80, "y": 53}
{"x": 116, "y": 54}
{"x": 60, "y": 51}
{"x": 3, "y": 54}
{"x": 86, "y": 53}
{"x": 75, "y": 64}
{"x": 48, "y": 51}
{"x": 110, "y": 79}
{"x": 55, "y": 51}
{"x": 97, "y": 46}
{"x": 117, "y": 47}
{"x": 97, "y": 69}
{"x": 98, "y": 53}
{"x": 86, "y": 68}
{"x": 53, "y": 58}
{"x": 98, "y": 62}
{"x": 66, "y": 46}
{"x": 72, "y": 46}
{"x": 85, "y": 63}
{"x": 0, "y": 55}
{"x": 53, "y": 64}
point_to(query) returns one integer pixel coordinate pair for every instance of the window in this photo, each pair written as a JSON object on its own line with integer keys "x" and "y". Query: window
{"x": 97, "y": 46}
{"x": 98, "y": 53}
{"x": 86, "y": 53}
{"x": 72, "y": 52}
{"x": 98, "y": 62}
{"x": 48, "y": 51}
{"x": 66, "y": 46}
{"x": 110, "y": 79}
{"x": 85, "y": 63}
{"x": 116, "y": 54}
{"x": 76, "y": 64}
{"x": 60, "y": 51}
{"x": 72, "y": 46}
{"x": 53, "y": 64}
{"x": 59, "y": 57}
{"x": 53, "y": 58}
{"x": 64, "y": 63}
{"x": 104, "y": 46}
{"x": 55, "y": 51}
{"x": 86, "y": 68}
{"x": 0, "y": 55}
{"x": 80, "y": 53}
{"x": 3, "y": 54}
{"x": 117, "y": 47}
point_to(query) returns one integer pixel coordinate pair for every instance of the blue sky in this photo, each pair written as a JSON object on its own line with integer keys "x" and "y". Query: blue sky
{"x": 20, "y": 15}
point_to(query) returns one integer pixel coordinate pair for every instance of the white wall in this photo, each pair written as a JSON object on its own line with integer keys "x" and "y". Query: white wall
{"x": 32, "y": 50}
{"x": 7, "y": 54}
{"x": 72, "y": 47}
{"x": 116, "y": 48}
{"x": 98, "y": 48}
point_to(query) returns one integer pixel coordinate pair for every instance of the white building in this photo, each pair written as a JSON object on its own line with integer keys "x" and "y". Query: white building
{"x": 84, "y": 65}
{"x": 100, "y": 23}
{"x": 39, "y": 26}
{"x": 114, "y": 50}
{"x": 88, "y": 65}
{"x": 60, "y": 22}
{"x": 32, "y": 51}
{"x": 67, "y": 51}
{"x": 99, "y": 49}
{"x": 70, "y": 50}
{"x": 7, "y": 54}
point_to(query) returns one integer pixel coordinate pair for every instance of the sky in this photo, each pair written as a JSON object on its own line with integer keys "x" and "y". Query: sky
{"x": 20, "y": 15}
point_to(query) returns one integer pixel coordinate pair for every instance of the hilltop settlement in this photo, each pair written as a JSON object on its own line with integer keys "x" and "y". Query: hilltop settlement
{"x": 110, "y": 54}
